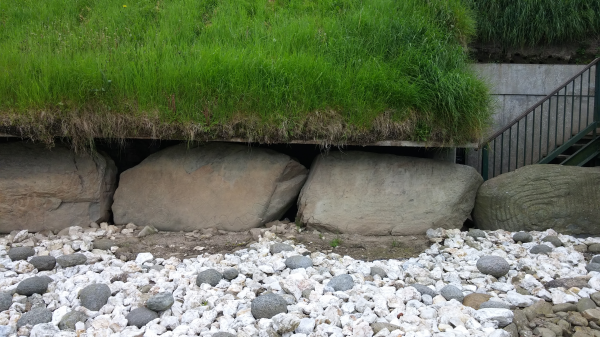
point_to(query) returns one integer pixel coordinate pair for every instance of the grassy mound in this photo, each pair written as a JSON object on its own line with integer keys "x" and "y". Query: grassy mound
{"x": 517, "y": 23}
{"x": 267, "y": 71}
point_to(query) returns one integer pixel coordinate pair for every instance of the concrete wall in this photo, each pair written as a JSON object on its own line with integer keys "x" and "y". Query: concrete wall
{"x": 517, "y": 87}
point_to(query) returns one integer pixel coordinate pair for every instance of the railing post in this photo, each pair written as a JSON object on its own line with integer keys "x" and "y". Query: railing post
{"x": 484, "y": 162}
{"x": 597, "y": 96}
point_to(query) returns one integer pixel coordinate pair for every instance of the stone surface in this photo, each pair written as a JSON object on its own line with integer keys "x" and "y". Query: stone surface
{"x": 406, "y": 195}
{"x": 577, "y": 282}
{"x": 553, "y": 239}
{"x": 378, "y": 326}
{"x": 493, "y": 265}
{"x": 451, "y": 292}
{"x": 71, "y": 260}
{"x": 20, "y": 253}
{"x": 280, "y": 247}
{"x": 378, "y": 271}
{"x": 209, "y": 276}
{"x": 140, "y": 317}
{"x": 425, "y": 290}
{"x": 94, "y": 296}
{"x": 33, "y": 285}
{"x": 35, "y": 316}
{"x": 44, "y": 330}
{"x": 593, "y": 267}
{"x": 268, "y": 305}
{"x": 160, "y": 302}
{"x": 223, "y": 334}
{"x": 540, "y": 249}
{"x": 595, "y": 297}
{"x": 53, "y": 188}
{"x": 585, "y": 303}
{"x": 221, "y": 185}
{"x": 475, "y": 300}
{"x": 298, "y": 261}
{"x": 564, "y": 307}
{"x": 494, "y": 304}
{"x": 230, "y": 273}
{"x": 594, "y": 248}
{"x": 43, "y": 263}
{"x": 341, "y": 282}
{"x": 69, "y": 320}
{"x": 502, "y": 316}
{"x": 104, "y": 244}
{"x": 540, "y": 197}
{"x": 5, "y": 301}
{"x": 524, "y": 237}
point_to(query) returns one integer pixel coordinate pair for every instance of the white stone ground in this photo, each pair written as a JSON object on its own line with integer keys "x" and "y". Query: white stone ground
{"x": 206, "y": 310}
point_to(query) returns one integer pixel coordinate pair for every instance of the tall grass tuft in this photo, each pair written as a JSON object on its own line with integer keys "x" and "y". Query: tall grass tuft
{"x": 266, "y": 70}
{"x": 517, "y": 23}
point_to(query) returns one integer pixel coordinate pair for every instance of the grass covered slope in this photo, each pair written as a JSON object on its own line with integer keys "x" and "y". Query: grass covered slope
{"x": 517, "y": 23}
{"x": 264, "y": 70}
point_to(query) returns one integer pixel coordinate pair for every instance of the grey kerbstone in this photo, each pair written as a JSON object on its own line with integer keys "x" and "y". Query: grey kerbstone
{"x": 70, "y": 319}
{"x": 160, "y": 302}
{"x": 33, "y": 285}
{"x": 104, "y": 244}
{"x": 140, "y": 317}
{"x": 493, "y": 265}
{"x": 209, "y": 276}
{"x": 553, "y": 239}
{"x": 5, "y": 301}
{"x": 593, "y": 267}
{"x": 20, "y": 253}
{"x": 94, "y": 296}
{"x": 230, "y": 273}
{"x": 540, "y": 249}
{"x": 378, "y": 271}
{"x": 35, "y": 316}
{"x": 585, "y": 303}
{"x": 298, "y": 261}
{"x": 268, "y": 305}
{"x": 42, "y": 263}
{"x": 451, "y": 292}
{"x": 494, "y": 304}
{"x": 280, "y": 247}
{"x": 524, "y": 237}
{"x": 476, "y": 233}
{"x": 71, "y": 260}
{"x": 341, "y": 282}
{"x": 425, "y": 290}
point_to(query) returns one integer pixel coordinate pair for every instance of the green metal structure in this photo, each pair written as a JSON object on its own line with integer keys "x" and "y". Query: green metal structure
{"x": 562, "y": 128}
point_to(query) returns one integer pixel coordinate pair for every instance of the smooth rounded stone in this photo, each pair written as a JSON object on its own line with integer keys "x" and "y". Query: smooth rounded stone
{"x": 209, "y": 276}
{"x": 280, "y": 247}
{"x": 493, "y": 265}
{"x": 575, "y": 318}
{"x": 595, "y": 259}
{"x": 140, "y": 317}
{"x": 540, "y": 249}
{"x": 577, "y": 282}
{"x": 70, "y": 319}
{"x": 512, "y": 330}
{"x": 306, "y": 293}
{"x": 104, "y": 244}
{"x": 71, "y": 260}
{"x": 33, "y": 285}
{"x": 425, "y": 290}
{"x": 524, "y": 237}
{"x": 475, "y": 233}
{"x": 544, "y": 332}
{"x": 585, "y": 303}
{"x": 378, "y": 326}
{"x": 94, "y": 296}
{"x": 596, "y": 297}
{"x": 592, "y": 267}
{"x": 564, "y": 307}
{"x": 341, "y": 282}
{"x": 594, "y": 248}
{"x": 160, "y": 302}
{"x": 223, "y": 334}
{"x": 494, "y": 304}
{"x": 474, "y": 300}
{"x": 43, "y": 263}
{"x": 378, "y": 271}
{"x": 451, "y": 292}
{"x": 230, "y": 273}
{"x": 538, "y": 309}
{"x": 20, "y": 253}
{"x": 5, "y": 301}
{"x": 553, "y": 239}
{"x": 35, "y": 316}
{"x": 298, "y": 261}
{"x": 268, "y": 305}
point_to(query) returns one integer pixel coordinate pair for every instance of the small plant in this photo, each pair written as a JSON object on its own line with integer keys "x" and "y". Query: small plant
{"x": 204, "y": 303}
{"x": 395, "y": 244}
{"x": 321, "y": 236}
{"x": 335, "y": 242}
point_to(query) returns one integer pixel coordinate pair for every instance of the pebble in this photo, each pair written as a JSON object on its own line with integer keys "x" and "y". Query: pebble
{"x": 594, "y": 248}
{"x": 223, "y": 334}
{"x": 523, "y": 237}
{"x": 68, "y": 321}
{"x": 268, "y": 305}
{"x": 425, "y": 290}
{"x": 43, "y": 263}
{"x": 493, "y": 265}
{"x": 540, "y": 249}
{"x": 584, "y": 304}
{"x": 280, "y": 247}
{"x": 71, "y": 260}
{"x": 230, "y": 273}
{"x": 20, "y": 253}
{"x": 595, "y": 259}
{"x": 140, "y": 317}
{"x": 104, "y": 244}
{"x": 298, "y": 261}
{"x": 553, "y": 239}
{"x": 474, "y": 300}
{"x": 593, "y": 267}
{"x": 209, "y": 276}
{"x": 341, "y": 282}
{"x": 476, "y": 233}
{"x": 33, "y": 285}
{"x": 160, "y": 302}
{"x": 94, "y": 296}
{"x": 494, "y": 304}
{"x": 450, "y": 292}
{"x": 35, "y": 316}
{"x": 378, "y": 271}
{"x": 5, "y": 301}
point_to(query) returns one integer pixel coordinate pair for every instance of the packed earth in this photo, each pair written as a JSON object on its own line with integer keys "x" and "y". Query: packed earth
{"x": 476, "y": 283}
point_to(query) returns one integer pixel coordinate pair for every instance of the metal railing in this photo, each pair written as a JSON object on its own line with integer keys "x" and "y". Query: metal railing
{"x": 548, "y": 128}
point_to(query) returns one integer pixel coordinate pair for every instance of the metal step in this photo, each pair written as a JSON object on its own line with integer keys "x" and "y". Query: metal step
{"x": 590, "y": 151}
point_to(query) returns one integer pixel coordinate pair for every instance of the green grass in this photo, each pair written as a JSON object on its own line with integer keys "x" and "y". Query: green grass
{"x": 269, "y": 71}
{"x": 516, "y": 23}
{"x": 335, "y": 242}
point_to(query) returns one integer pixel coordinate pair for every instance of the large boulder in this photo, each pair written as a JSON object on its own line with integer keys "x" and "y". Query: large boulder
{"x": 43, "y": 188}
{"x": 382, "y": 194}
{"x": 227, "y": 186}
{"x": 539, "y": 197}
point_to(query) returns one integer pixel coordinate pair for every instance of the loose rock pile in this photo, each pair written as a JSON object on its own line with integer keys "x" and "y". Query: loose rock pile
{"x": 465, "y": 284}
